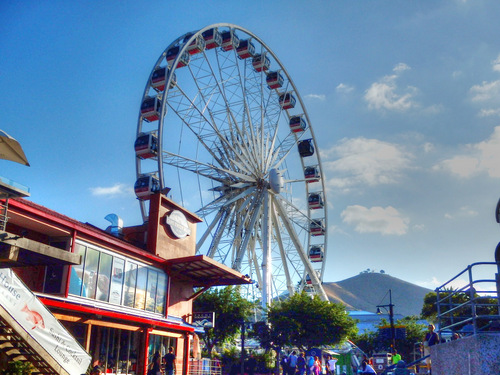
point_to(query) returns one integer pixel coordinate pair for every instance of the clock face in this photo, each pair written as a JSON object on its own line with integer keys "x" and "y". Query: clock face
{"x": 178, "y": 224}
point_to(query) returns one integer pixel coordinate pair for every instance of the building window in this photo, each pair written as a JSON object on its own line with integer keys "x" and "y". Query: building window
{"x": 107, "y": 277}
{"x": 115, "y": 350}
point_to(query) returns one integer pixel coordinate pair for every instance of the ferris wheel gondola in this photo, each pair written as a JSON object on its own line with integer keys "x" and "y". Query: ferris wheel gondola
{"x": 223, "y": 125}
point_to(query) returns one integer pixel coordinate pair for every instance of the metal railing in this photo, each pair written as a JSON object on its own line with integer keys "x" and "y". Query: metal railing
{"x": 204, "y": 366}
{"x": 471, "y": 308}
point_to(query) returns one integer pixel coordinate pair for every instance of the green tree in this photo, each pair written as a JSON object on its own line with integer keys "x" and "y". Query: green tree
{"x": 306, "y": 322}
{"x": 366, "y": 341}
{"x": 230, "y": 308}
{"x": 458, "y": 301}
{"x": 414, "y": 333}
{"x": 370, "y": 341}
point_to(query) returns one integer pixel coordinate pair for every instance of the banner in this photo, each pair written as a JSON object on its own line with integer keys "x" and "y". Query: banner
{"x": 40, "y": 324}
{"x": 204, "y": 319}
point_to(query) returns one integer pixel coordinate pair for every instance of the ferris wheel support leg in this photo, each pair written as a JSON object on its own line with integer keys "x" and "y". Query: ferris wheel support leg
{"x": 266, "y": 258}
{"x": 277, "y": 233}
{"x": 309, "y": 269}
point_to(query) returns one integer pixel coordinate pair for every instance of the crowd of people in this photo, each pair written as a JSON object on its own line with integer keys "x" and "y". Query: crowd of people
{"x": 301, "y": 364}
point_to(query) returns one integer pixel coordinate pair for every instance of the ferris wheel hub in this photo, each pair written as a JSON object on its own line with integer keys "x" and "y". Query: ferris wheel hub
{"x": 276, "y": 180}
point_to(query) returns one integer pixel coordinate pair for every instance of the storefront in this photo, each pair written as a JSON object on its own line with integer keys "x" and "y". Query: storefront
{"x": 130, "y": 293}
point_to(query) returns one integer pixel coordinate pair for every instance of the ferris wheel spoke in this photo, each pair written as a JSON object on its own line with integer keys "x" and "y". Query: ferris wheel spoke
{"x": 210, "y": 171}
{"x": 232, "y": 222}
{"x": 224, "y": 85}
{"x": 218, "y": 234}
{"x": 210, "y": 227}
{"x": 300, "y": 250}
{"x": 296, "y": 215}
{"x": 186, "y": 117}
{"x": 225, "y": 200}
{"x": 284, "y": 259}
{"x": 252, "y": 256}
{"x": 255, "y": 209}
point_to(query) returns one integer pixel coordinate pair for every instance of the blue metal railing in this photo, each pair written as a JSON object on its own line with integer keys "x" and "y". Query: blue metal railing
{"x": 471, "y": 308}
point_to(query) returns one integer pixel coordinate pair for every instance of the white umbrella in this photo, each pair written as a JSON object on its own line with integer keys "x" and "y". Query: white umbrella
{"x": 10, "y": 149}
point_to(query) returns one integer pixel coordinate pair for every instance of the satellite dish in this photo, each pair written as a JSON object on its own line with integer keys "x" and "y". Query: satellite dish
{"x": 10, "y": 149}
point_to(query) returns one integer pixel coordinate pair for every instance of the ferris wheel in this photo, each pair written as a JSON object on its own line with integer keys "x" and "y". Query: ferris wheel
{"x": 223, "y": 127}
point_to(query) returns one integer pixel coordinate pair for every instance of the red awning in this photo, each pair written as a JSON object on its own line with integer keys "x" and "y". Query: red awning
{"x": 203, "y": 271}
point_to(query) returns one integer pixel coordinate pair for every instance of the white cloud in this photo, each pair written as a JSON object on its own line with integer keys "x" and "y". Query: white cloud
{"x": 476, "y": 158}
{"x": 489, "y": 112}
{"x": 436, "y": 283}
{"x": 496, "y": 64}
{"x": 343, "y": 88}
{"x": 486, "y": 91}
{"x": 401, "y": 67}
{"x": 386, "y": 221}
{"x": 464, "y": 211}
{"x": 385, "y": 95}
{"x": 112, "y": 191}
{"x": 488, "y": 94}
{"x": 316, "y": 96}
{"x": 362, "y": 161}
{"x": 428, "y": 147}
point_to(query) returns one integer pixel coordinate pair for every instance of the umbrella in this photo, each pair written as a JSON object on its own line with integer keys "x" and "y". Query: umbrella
{"x": 10, "y": 149}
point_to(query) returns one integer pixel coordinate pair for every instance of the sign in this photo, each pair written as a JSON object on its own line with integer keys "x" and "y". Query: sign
{"x": 178, "y": 224}
{"x": 40, "y": 324}
{"x": 204, "y": 319}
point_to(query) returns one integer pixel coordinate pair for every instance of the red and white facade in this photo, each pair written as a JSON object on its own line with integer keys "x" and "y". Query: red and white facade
{"x": 132, "y": 293}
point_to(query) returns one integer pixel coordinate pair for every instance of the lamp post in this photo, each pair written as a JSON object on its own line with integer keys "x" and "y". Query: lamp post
{"x": 391, "y": 320}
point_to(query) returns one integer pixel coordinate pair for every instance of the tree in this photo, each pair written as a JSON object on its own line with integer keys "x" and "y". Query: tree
{"x": 414, "y": 333}
{"x": 376, "y": 342}
{"x": 231, "y": 310}
{"x": 462, "y": 309}
{"x": 307, "y": 322}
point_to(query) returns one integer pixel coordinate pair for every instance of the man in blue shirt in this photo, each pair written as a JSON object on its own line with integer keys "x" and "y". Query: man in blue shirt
{"x": 292, "y": 363}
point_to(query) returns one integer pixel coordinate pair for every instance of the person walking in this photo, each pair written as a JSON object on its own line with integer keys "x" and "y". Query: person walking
{"x": 431, "y": 338}
{"x": 301, "y": 364}
{"x": 292, "y": 363}
{"x": 317, "y": 366}
{"x": 330, "y": 365}
{"x": 169, "y": 361}
{"x": 310, "y": 365}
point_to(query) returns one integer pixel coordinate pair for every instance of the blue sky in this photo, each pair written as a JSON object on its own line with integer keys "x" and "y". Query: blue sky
{"x": 404, "y": 98}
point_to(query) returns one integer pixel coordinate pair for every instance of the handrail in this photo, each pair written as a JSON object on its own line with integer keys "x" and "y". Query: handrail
{"x": 473, "y": 308}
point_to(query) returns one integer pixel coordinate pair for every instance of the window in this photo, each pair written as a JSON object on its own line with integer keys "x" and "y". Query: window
{"x": 117, "y": 276}
{"x": 104, "y": 277}
{"x": 76, "y": 278}
{"x": 130, "y": 282}
{"x": 140, "y": 291}
{"x": 151, "y": 290}
{"x": 110, "y": 278}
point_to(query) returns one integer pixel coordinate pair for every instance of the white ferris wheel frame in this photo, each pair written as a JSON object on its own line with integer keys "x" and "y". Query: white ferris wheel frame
{"x": 270, "y": 206}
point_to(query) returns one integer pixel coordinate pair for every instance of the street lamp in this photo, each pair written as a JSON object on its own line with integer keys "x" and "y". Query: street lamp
{"x": 391, "y": 319}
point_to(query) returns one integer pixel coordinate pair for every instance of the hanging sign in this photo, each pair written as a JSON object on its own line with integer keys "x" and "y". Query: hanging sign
{"x": 27, "y": 310}
{"x": 204, "y": 319}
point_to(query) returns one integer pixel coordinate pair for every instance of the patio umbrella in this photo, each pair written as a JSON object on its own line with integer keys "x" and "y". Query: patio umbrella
{"x": 10, "y": 149}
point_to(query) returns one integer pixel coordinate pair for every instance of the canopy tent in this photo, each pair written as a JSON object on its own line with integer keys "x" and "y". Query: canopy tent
{"x": 10, "y": 149}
